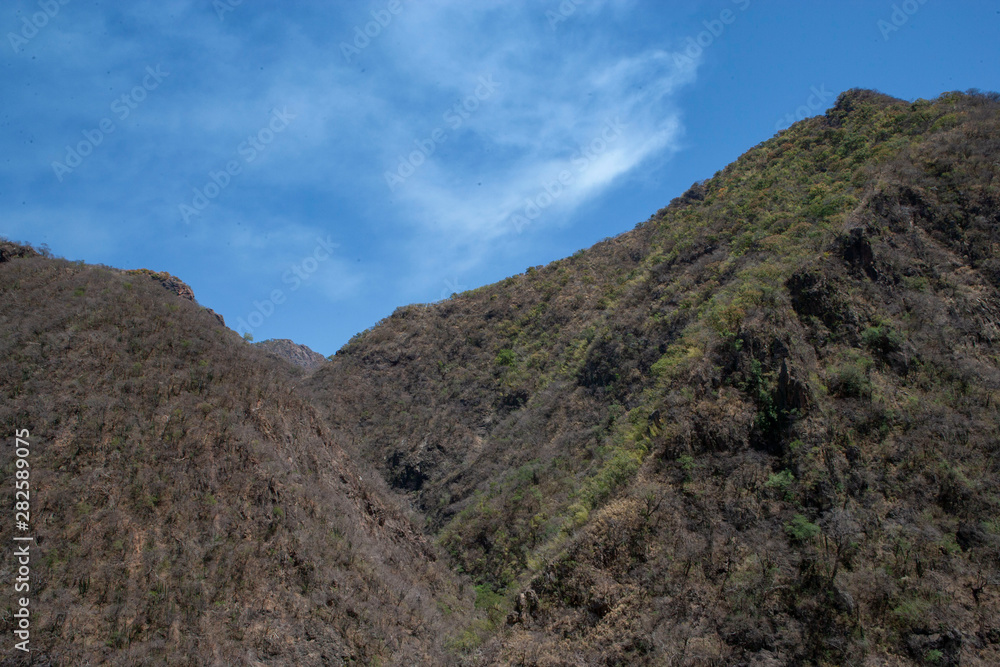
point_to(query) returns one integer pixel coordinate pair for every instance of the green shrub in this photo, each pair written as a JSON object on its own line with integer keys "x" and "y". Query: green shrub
{"x": 881, "y": 339}
{"x": 688, "y": 465}
{"x": 618, "y": 469}
{"x": 505, "y": 357}
{"x": 850, "y": 381}
{"x": 912, "y": 611}
{"x": 487, "y": 598}
{"x": 782, "y": 483}
{"x": 676, "y": 358}
{"x": 800, "y": 529}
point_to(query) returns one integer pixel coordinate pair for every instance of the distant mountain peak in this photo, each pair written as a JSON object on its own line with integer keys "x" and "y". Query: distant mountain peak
{"x": 292, "y": 352}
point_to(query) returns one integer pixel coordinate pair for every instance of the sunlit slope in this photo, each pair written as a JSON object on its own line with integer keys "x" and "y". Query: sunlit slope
{"x": 761, "y": 427}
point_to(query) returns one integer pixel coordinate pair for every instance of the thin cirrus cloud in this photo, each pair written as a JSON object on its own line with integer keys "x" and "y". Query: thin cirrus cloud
{"x": 550, "y": 96}
{"x": 514, "y": 117}
{"x": 517, "y": 99}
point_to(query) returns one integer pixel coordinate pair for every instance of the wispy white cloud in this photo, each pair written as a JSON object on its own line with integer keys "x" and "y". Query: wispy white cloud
{"x": 544, "y": 109}
{"x": 551, "y": 106}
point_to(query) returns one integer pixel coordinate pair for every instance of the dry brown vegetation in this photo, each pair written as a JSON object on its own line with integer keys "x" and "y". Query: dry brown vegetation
{"x": 189, "y": 507}
{"x": 759, "y": 429}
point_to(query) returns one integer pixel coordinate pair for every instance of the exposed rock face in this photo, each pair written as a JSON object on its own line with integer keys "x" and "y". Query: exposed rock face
{"x": 169, "y": 282}
{"x": 525, "y": 605}
{"x": 174, "y": 284}
{"x": 10, "y": 250}
{"x": 791, "y": 394}
{"x": 295, "y": 354}
{"x": 857, "y": 251}
{"x": 222, "y": 321}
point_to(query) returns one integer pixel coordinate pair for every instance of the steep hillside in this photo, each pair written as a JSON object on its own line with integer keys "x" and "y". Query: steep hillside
{"x": 762, "y": 428}
{"x": 188, "y": 507}
{"x": 759, "y": 429}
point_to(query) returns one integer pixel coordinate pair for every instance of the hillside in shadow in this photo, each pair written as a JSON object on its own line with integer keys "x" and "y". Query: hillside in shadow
{"x": 189, "y": 508}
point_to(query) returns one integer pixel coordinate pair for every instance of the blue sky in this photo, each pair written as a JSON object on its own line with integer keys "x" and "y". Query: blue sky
{"x": 308, "y": 167}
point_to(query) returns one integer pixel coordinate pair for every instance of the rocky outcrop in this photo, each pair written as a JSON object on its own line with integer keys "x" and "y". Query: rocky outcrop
{"x": 169, "y": 282}
{"x": 173, "y": 284}
{"x": 295, "y": 354}
{"x": 10, "y": 250}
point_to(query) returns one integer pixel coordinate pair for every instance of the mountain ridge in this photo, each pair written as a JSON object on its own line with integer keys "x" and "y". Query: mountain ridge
{"x": 189, "y": 506}
{"x": 760, "y": 428}
{"x": 771, "y": 326}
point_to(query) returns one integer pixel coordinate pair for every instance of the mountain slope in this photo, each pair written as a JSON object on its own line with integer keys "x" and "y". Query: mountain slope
{"x": 188, "y": 507}
{"x": 760, "y": 428}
